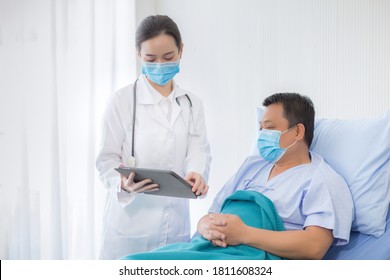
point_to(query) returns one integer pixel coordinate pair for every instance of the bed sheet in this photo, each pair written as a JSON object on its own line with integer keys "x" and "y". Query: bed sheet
{"x": 363, "y": 247}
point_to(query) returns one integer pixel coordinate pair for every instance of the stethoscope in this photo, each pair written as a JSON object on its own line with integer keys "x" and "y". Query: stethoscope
{"x": 131, "y": 160}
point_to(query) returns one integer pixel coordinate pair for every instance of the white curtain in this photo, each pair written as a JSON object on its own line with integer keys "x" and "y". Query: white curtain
{"x": 59, "y": 62}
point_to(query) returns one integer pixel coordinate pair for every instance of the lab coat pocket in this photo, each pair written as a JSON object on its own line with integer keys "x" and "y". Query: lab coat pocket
{"x": 119, "y": 246}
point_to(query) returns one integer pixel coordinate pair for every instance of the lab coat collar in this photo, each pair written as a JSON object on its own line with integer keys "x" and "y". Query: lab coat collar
{"x": 158, "y": 97}
{"x": 152, "y": 97}
{"x": 143, "y": 91}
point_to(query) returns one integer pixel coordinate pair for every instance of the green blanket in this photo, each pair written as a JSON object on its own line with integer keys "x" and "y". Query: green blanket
{"x": 253, "y": 208}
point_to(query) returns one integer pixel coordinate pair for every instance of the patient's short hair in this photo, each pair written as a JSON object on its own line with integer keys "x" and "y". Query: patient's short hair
{"x": 297, "y": 109}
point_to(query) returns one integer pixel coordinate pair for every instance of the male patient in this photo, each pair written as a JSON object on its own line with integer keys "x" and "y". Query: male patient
{"x": 312, "y": 200}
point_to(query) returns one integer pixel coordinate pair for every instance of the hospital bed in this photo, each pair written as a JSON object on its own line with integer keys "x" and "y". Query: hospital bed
{"x": 359, "y": 150}
{"x": 363, "y": 247}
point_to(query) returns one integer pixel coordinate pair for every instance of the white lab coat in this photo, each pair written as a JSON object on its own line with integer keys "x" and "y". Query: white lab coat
{"x": 140, "y": 222}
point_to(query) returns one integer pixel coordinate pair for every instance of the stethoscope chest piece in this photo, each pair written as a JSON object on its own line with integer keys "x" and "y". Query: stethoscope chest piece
{"x": 131, "y": 161}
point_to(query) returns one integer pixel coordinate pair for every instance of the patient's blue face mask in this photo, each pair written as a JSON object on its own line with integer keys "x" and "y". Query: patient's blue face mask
{"x": 268, "y": 144}
{"x": 160, "y": 73}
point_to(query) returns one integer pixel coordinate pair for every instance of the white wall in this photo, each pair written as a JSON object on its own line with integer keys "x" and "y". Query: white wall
{"x": 238, "y": 52}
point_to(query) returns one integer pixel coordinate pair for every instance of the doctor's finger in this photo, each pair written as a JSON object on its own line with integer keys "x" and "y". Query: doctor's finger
{"x": 140, "y": 184}
{"x": 144, "y": 182}
{"x": 137, "y": 186}
{"x": 197, "y": 182}
{"x": 190, "y": 178}
{"x": 131, "y": 177}
{"x": 123, "y": 181}
{"x": 150, "y": 188}
{"x": 202, "y": 189}
{"x": 205, "y": 189}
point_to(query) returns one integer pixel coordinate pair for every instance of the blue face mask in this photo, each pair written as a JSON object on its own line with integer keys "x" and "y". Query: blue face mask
{"x": 268, "y": 144}
{"x": 160, "y": 73}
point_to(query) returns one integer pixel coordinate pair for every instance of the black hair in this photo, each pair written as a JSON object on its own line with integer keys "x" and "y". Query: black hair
{"x": 297, "y": 109}
{"x": 153, "y": 26}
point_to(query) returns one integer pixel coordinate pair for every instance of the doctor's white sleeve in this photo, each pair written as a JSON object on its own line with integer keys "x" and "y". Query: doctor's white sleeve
{"x": 198, "y": 157}
{"x": 109, "y": 156}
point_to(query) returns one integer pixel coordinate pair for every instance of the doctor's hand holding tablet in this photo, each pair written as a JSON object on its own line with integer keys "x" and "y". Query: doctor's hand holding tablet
{"x": 160, "y": 182}
{"x": 159, "y": 129}
{"x": 128, "y": 184}
{"x": 194, "y": 184}
{"x": 199, "y": 186}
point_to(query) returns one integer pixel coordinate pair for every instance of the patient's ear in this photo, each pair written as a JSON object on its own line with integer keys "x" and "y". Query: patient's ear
{"x": 300, "y": 132}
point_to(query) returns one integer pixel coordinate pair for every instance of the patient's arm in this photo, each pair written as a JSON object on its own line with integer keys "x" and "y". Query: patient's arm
{"x": 311, "y": 243}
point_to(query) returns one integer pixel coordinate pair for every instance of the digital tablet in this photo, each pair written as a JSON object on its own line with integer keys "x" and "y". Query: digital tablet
{"x": 169, "y": 182}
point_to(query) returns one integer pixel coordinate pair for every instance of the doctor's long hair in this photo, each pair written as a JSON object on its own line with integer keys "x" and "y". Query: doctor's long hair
{"x": 153, "y": 26}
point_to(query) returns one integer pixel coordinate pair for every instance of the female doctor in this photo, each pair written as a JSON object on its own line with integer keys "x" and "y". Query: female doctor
{"x": 152, "y": 123}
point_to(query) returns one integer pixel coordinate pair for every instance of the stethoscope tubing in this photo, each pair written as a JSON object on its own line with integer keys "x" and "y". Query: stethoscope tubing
{"x": 134, "y": 112}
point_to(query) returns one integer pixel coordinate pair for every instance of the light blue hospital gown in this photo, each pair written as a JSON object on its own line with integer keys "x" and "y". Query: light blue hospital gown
{"x": 310, "y": 194}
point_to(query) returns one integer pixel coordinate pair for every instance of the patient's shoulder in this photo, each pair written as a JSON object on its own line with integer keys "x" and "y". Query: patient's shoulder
{"x": 324, "y": 171}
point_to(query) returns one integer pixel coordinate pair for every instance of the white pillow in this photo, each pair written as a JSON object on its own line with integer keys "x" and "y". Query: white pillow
{"x": 359, "y": 150}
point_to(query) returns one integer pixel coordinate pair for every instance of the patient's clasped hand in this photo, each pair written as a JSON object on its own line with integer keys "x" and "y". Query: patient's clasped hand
{"x": 286, "y": 203}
